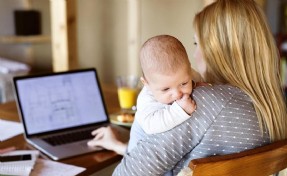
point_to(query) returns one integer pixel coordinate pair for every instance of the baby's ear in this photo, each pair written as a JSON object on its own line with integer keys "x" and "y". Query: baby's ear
{"x": 143, "y": 80}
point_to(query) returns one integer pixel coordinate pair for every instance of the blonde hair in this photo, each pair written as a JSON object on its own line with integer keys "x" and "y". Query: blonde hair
{"x": 163, "y": 54}
{"x": 239, "y": 49}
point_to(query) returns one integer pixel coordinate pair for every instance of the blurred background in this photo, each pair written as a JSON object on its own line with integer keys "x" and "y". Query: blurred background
{"x": 106, "y": 34}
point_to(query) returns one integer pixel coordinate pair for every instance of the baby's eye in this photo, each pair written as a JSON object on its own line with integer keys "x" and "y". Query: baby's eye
{"x": 195, "y": 43}
{"x": 164, "y": 90}
{"x": 183, "y": 84}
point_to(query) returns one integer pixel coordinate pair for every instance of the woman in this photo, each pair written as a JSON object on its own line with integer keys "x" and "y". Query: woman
{"x": 243, "y": 109}
{"x": 239, "y": 50}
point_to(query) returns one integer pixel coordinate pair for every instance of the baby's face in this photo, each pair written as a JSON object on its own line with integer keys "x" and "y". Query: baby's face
{"x": 169, "y": 88}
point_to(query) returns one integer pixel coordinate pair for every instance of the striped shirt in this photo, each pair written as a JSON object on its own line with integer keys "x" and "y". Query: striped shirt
{"x": 224, "y": 122}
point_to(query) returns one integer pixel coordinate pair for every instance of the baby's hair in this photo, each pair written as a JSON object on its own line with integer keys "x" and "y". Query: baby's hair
{"x": 163, "y": 54}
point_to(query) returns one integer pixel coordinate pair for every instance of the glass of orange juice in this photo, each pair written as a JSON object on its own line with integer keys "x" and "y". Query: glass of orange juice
{"x": 128, "y": 88}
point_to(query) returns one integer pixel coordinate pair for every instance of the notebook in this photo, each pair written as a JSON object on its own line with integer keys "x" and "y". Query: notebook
{"x": 59, "y": 111}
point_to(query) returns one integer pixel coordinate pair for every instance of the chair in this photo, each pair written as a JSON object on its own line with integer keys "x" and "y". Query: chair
{"x": 261, "y": 161}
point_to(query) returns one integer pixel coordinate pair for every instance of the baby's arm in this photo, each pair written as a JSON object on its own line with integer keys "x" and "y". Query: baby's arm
{"x": 155, "y": 117}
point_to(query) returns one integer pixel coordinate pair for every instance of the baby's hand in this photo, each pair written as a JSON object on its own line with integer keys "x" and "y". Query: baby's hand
{"x": 187, "y": 104}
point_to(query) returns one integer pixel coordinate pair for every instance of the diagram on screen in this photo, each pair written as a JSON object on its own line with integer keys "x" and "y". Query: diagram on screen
{"x": 62, "y": 102}
{"x": 54, "y": 103}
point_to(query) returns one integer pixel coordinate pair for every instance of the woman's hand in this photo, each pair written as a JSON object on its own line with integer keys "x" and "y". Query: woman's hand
{"x": 6, "y": 150}
{"x": 107, "y": 138}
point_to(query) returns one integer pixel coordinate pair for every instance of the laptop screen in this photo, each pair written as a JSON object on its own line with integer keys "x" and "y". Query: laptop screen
{"x": 60, "y": 100}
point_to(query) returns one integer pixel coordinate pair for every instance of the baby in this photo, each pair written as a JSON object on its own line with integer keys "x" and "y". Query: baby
{"x": 165, "y": 100}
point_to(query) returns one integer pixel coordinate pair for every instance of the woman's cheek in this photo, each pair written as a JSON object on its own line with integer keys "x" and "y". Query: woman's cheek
{"x": 201, "y": 66}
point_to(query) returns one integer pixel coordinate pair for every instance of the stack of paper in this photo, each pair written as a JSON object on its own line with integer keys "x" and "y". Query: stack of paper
{"x": 8, "y": 70}
{"x": 11, "y": 66}
{"x": 47, "y": 167}
{"x": 19, "y": 167}
{"x": 36, "y": 166}
{"x": 11, "y": 129}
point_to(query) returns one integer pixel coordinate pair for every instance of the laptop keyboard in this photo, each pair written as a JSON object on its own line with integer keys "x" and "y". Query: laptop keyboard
{"x": 69, "y": 137}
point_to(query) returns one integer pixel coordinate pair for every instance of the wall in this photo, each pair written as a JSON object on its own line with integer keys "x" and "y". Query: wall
{"x": 7, "y": 28}
{"x": 102, "y": 37}
{"x": 172, "y": 17}
{"x": 37, "y": 55}
{"x": 42, "y": 53}
{"x": 272, "y": 13}
{"x": 102, "y": 30}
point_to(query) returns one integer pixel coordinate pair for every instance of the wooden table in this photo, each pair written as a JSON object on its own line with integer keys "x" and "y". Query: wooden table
{"x": 93, "y": 162}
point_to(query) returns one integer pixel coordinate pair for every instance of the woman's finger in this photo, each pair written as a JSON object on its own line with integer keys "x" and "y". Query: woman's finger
{"x": 98, "y": 130}
{"x": 99, "y": 135}
{"x": 94, "y": 143}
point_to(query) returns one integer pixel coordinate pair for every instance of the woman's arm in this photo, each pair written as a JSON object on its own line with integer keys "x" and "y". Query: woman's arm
{"x": 159, "y": 153}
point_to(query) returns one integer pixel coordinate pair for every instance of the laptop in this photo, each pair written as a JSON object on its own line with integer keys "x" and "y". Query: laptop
{"x": 59, "y": 111}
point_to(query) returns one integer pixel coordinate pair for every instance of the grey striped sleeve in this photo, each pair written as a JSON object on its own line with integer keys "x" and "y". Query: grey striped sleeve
{"x": 159, "y": 153}
{"x": 235, "y": 129}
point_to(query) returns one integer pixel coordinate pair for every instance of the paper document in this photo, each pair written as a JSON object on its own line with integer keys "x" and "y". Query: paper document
{"x": 47, "y": 168}
{"x": 19, "y": 167}
{"x": 11, "y": 66}
{"x": 9, "y": 129}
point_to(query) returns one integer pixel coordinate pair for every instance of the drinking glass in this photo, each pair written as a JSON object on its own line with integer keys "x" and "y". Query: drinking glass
{"x": 128, "y": 88}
